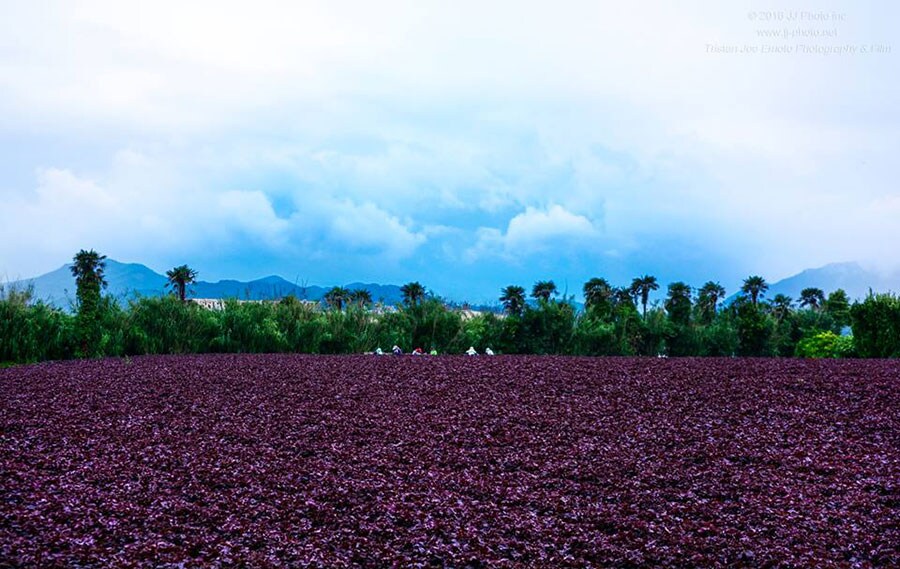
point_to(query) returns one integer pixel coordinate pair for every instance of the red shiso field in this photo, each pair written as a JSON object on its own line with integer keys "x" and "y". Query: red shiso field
{"x": 308, "y": 461}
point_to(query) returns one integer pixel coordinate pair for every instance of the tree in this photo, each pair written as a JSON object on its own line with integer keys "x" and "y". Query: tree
{"x": 597, "y": 295}
{"x": 754, "y": 329}
{"x": 838, "y": 307}
{"x": 755, "y": 286}
{"x": 812, "y": 297}
{"x": 708, "y": 299}
{"x": 641, "y": 287}
{"x": 336, "y": 297}
{"x": 513, "y": 299}
{"x": 622, "y": 296}
{"x": 876, "y": 326}
{"x": 781, "y": 307}
{"x": 413, "y": 293}
{"x": 88, "y": 269}
{"x": 678, "y": 303}
{"x": 543, "y": 290}
{"x": 179, "y": 278}
{"x": 361, "y": 297}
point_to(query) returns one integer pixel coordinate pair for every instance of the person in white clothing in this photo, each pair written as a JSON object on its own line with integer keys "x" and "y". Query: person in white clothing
{"x": 489, "y": 352}
{"x": 471, "y": 351}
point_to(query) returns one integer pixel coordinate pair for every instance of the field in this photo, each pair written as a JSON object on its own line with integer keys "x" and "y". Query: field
{"x": 270, "y": 461}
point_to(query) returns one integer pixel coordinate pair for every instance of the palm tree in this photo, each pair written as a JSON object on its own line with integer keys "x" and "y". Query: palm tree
{"x": 513, "y": 299}
{"x": 597, "y": 292}
{"x": 755, "y": 286}
{"x": 781, "y": 306}
{"x": 88, "y": 267}
{"x": 543, "y": 290}
{"x": 361, "y": 297}
{"x": 336, "y": 297}
{"x": 678, "y": 303}
{"x": 179, "y": 279}
{"x": 622, "y": 295}
{"x": 642, "y": 286}
{"x": 412, "y": 293}
{"x": 812, "y": 297}
{"x": 708, "y": 298}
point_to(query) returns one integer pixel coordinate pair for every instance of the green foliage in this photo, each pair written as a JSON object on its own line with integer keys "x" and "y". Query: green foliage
{"x": 249, "y": 327}
{"x": 708, "y": 298}
{"x": 720, "y": 337}
{"x": 641, "y": 288}
{"x": 656, "y": 332}
{"x": 179, "y": 279}
{"x": 678, "y": 304}
{"x": 165, "y": 325}
{"x": 754, "y": 286}
{"x": 88, "y": 268}
{"x": 609, "y": 325}
{"x": 543, "y": 290}
{"x": 876, "y": 326}
{"x": 754, "y": 329}
{"x": 826, "y": 345}
{"x": 413, "y": 293}
{"x": 433, "y": 324}
{"x": 548, "y": 328}
{"x": 595, "y": 336}
{"x": 837, "y": 306}
{"x": 482, "y": 331}
{"x": 513, "y": 299}
{"x": 812, "y": 297}
{"x": 336, "y": 297}
{"x": 33, "y": 332}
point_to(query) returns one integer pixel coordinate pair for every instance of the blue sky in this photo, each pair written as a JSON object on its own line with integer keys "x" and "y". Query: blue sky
{"x": 468, "y": 145}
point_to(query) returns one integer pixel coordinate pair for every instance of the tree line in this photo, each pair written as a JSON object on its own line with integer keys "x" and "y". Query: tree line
{"x": 615, "y": 321}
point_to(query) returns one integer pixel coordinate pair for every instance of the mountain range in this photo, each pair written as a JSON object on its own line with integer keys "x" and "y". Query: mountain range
{"x": 854, "y": 279}
{"x": 127, "y": 280}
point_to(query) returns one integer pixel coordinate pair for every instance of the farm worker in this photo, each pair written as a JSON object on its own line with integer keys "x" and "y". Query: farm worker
{"x": 396, "y": 349}
{"x": 471, "y": 351}
{"x": 489, "y": 352}
{"x": 433, "y": 352}
{"x": 418, "y": 352}
{"x": 378, "y": 352}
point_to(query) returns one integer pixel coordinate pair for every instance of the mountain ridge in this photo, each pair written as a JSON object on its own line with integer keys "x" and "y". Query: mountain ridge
{"x": 126, "y": 280}
{"x": 848, "y": 275}
{"x": 129, "y": 279}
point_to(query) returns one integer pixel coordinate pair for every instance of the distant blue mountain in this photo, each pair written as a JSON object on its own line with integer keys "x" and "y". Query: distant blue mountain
{"x": 127, "y": 280}
{"x": 855, "y": 280}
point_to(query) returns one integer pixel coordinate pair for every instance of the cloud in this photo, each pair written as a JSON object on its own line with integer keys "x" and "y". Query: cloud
{"x": 364, "y": 228}
{"x": 123, "y": 219}
{"x": 537, "y": 231}
{"x": 284, "y": 130}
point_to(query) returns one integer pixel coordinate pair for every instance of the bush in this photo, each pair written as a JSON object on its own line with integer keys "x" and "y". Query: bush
{"x": 33, "y": 332}
{"x": 876, "y": 326}
{"x": 826, "y": 345}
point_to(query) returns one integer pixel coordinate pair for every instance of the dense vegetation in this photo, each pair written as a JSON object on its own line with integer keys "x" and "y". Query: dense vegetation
{"x": 614, "y": 321}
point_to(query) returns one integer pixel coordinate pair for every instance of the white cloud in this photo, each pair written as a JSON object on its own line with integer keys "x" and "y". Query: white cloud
{"x": 128, "y": 217}
{"x": 366, "y": 228}
{"x": 392, "y": 116}
{"x": 554, "y": 229}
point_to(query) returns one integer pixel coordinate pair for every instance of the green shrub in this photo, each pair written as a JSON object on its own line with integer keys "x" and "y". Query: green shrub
{"x": 826, "y": 345}
{"x": 876, "y": 326}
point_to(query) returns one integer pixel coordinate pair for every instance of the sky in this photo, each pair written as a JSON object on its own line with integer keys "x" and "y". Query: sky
{"x": 467, "y": 145}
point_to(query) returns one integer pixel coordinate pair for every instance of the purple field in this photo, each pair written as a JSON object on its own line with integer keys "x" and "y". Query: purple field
{"x": 311, "y": 461}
